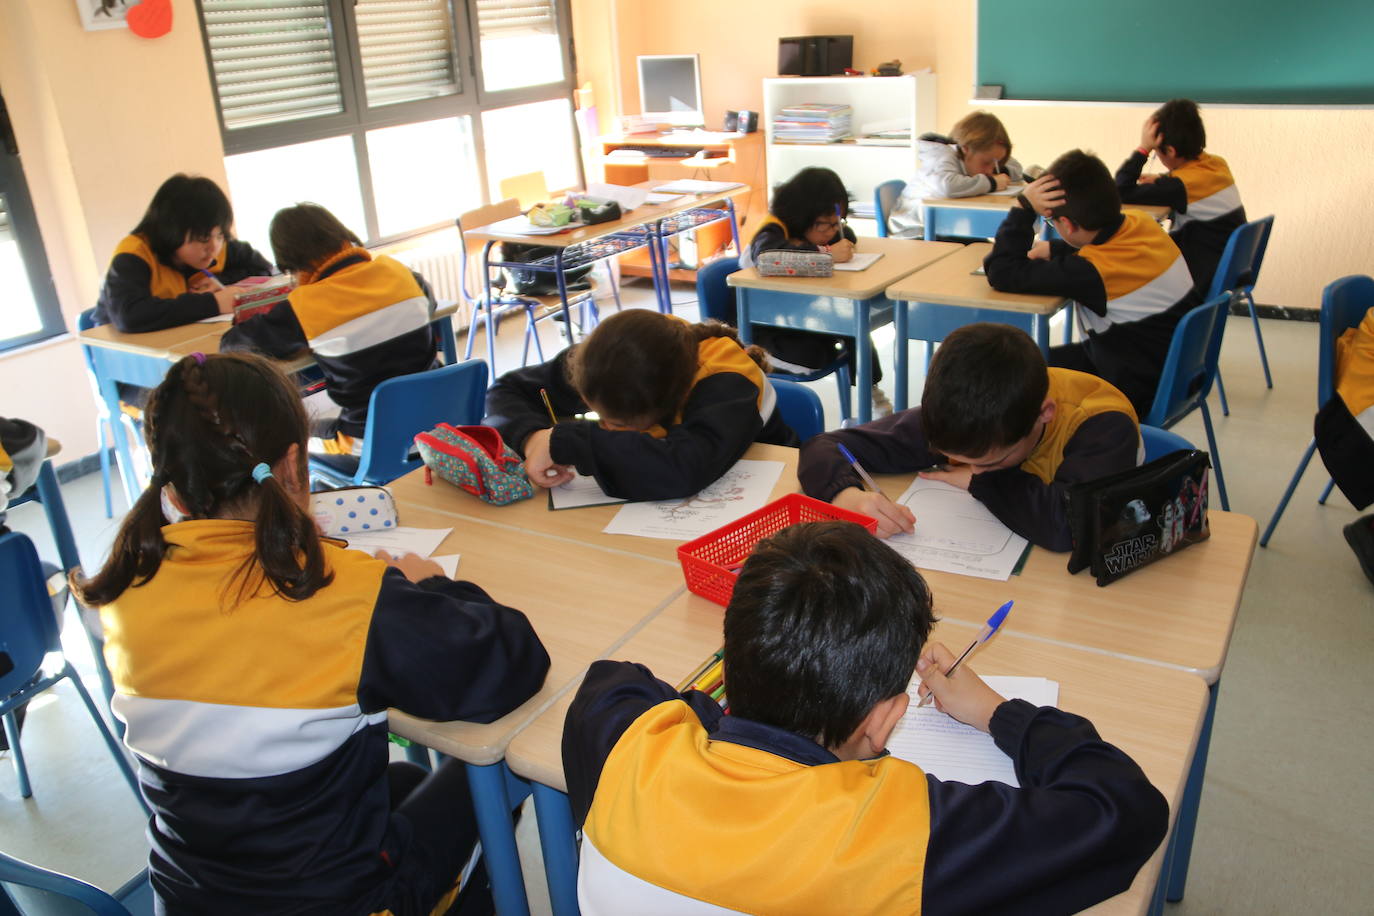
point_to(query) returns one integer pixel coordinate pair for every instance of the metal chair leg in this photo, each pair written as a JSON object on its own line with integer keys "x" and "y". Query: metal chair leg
{"x": 1259, "y": 339}
{"x": 21, "y": 771}
{"x": 1326, "y": 492}
{"x": 1288, "y": 493}
{"x": 1216, "y": 457}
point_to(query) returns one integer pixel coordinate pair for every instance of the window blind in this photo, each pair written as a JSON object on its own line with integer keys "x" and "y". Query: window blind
{"x": 273, "y": 61}
{"x": 407, "y": 50}
{"x": 508, "y": 18}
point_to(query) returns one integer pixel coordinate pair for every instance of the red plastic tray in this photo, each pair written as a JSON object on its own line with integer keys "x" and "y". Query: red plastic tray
{"x": 710, "y": 564}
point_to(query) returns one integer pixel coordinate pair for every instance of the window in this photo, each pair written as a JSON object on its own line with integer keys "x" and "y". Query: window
{"x": 28, "y": 300}
{"x": 388, "y": 112}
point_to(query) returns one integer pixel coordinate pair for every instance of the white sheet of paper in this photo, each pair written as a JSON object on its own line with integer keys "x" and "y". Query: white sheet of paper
{"x": 739, "y": 491}
{"x": 656, "y": 198}
{"x": 950, "y": 750}
{"x": 216, "y": 318}
{"x": 1008, "y": 192}
{"x": 579, "y": 493}
{"x": 628, "y": 198}
{"x": 449, "y": 564}
{"x": 696, "y": 186}
{"x": 862, "y": 260}
{"x": 956, "y": 533}
{"x": 519, "y": 225}
{"x": 423, "y": 541}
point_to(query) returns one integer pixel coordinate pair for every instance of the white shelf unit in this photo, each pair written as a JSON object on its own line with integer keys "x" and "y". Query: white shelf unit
{"x": 877, "y": 100}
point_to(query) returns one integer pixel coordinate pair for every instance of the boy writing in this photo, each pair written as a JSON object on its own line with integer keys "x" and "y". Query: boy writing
{"x": 789, "y": 804}
{"x": 1198, "y": 186}
{"x": 1017, "y": 434}
{"x": 1129, "y": 280}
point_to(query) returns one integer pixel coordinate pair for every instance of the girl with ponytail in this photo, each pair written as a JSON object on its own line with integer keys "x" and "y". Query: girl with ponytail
{"x": 254, "y": 663}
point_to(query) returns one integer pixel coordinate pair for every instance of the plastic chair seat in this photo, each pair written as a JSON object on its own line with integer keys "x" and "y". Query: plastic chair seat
{"x": 800, "y": 408}
{"x": 885, "y": 198}
{"x": 38, "y": 891}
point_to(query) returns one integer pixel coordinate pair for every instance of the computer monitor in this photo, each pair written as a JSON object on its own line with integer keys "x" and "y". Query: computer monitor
{"x": 670, "y": 89}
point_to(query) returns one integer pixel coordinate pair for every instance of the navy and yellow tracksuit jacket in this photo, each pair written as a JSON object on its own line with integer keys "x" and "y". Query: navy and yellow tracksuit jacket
{"x": 687, "y": 810}
{"x": 260, "y": 727}
{"x": 142, "y": 293}
{"x": 364, "y": 319}
{"x": 1205, "y": 203}
{"x": 731, "y": 404}
{"x": 1094, "y": 433}
{"x": 1344, "y": 427}
{"x": 1130, "y": 283}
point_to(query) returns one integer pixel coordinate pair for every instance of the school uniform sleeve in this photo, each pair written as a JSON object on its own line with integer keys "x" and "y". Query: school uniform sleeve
{"x": 23, "y": 448}
{"x": 771, "y": 238}
{"x": 894, "y": 444}
{"x": 445, "y": 650}
{"x": 243, "y": 260}
{"x": 1103, "y": 444}
{"x": 1011, "y": 271}
{"x": 127, "y": 299}
{"x": 720, "y": 420}
{"x": 1082, "y": 824}
{"x": 1013, "y": 170}
{"x": 515, "y": 408}
{"x": 1164, "y": 191}
{"x": 277, "y": 334}
{"x": 947, "y": 179}
{"x": 612, "y": 696}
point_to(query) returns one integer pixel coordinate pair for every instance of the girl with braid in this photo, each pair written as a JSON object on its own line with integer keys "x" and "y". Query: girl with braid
{"x": 254, "y": 663}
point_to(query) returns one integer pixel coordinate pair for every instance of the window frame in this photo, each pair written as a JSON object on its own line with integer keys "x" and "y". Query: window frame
{"x": 358, "y": 118}
{"x": 24, "y": 225}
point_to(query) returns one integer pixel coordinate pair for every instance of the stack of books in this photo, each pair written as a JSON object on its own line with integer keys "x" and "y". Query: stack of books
{"x": 813, "y": 122}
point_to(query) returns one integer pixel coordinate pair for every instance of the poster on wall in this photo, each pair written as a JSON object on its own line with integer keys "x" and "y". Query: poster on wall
{"x": 103, "y": 14}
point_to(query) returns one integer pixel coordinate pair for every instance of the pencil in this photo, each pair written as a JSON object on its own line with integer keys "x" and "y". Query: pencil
{"x": 690, "y": 679}
{"x": 544, "y": 393}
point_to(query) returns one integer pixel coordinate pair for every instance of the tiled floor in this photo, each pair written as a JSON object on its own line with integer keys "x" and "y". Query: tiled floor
{"x": 1287, "y": 820}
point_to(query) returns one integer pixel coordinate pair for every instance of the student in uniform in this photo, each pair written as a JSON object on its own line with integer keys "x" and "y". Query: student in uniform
{"x": 974, "y": 159}
{"x": 1011, "y": 432}
{"x": 365, "y": 319}
{"x": 180, "y": 263}
{"x": 254, "y": 663}
{"x": 1344, "y": 431}
{"x": 1198, "y": 187}
{"x": 790, "y": 804}
{"x": 678, "y": 405}
{"x": 1128, "y": 279}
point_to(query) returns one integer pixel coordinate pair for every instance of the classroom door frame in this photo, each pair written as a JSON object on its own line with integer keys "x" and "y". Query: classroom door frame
{"x": 14, "y": 190}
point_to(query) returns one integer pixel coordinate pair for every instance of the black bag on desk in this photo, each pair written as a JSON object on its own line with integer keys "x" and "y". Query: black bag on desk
{"x": 539, "y": 282}
{"x": 1129, "y": 519}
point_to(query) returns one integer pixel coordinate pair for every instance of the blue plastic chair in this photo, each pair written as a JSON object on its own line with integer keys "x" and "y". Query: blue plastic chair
{"x": 800, "y": 408}
{"x": 37, "y": 891}
{"x": 399, "y": 408}
{"x": 1344, "y": 305}
{"x": 1237, "y": 272}
{"x": 1160, "y": 442}
{"x": 885, "y": 201}
{"x": 1189, "y": 370}
{"x": 715, "y": 299}
{"x": 28, "y": 631}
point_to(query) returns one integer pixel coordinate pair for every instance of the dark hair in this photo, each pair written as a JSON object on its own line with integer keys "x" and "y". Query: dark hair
{"x": 638, "y": 365}
{"x": 1180, "y": 126}
{"x": 185, "y": 205}
{"x": 207, "y": 427}
{"x": 807, "y": 196}
{"x": 1090, "y": 196}
{"x": 305, "y": 236}
{"x": 826, "y": 621}
{"x": 984, "y": 390}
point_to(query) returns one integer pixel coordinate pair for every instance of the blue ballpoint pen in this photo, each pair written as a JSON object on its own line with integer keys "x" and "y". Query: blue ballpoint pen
{"x": 213, "y": 279}
{"x": 994, "y": 622}
{"x": 849, "y": 456}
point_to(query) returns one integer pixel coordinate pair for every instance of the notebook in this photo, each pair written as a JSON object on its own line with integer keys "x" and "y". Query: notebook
{"x": 862, "y": 260}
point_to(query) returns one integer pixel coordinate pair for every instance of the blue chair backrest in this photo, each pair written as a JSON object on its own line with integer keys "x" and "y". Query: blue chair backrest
{"x": 36, "y": 891}
{"x": 84, "y": 322}
{"x": 800, "y": 408}
{"x": 1160, "y": 442}
{"x": 408, "y": 404}
{"x": 715, "y": 298}
{"x": 28, "y": 628}
{"x": 1345, "y": 302}
{"x": 1240, "y": 262}
{"x": 1191, "y": 365}
{"x": 884, "y": 200}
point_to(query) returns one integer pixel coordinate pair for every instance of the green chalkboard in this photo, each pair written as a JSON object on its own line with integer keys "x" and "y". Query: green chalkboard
{"x": 1320, "y": 52}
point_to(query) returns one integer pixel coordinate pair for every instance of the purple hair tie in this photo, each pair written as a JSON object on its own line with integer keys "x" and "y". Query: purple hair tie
{"x": 199, "y": 357}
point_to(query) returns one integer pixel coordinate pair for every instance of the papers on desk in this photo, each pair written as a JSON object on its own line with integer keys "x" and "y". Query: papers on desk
{"x": 579, "y": 493}
{"x": 696, "y": 186}
{"x": 216, "y": 318}
{"x": 628, "y": 198}
{"x": 659, "y": 199}
{"x": 1008, "y": 192}
{"x": 862, "y": 260}
{"x": 956, "y": 533}
{"x": 519, "y": 225}
{"x": 423, "y": 541}
{"x": 741, "y": 490}
{"x": 954, "y": 752}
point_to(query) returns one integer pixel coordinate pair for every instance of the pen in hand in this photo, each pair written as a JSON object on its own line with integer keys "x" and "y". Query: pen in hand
{"x": 548, "y": 405}
{"x": 212, "y": 278}
{"x": 869, "y": 483}
{"x": 989, "y": 628}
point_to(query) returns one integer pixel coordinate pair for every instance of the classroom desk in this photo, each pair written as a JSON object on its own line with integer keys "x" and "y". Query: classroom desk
{"x": 579, "y": 527}
{"x": 979, "y": 216}
{"x": 849, "y": 302}
{"x": 931, "y": 303}
{"x": 1151, "y": 712}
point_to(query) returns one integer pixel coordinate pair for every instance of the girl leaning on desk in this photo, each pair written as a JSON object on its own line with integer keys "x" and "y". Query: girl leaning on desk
{"x": 180, "y": 262}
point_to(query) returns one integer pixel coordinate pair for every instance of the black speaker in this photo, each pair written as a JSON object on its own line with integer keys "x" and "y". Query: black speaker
{"x": 731, "y": 121}
{"x": 747, "y": 122}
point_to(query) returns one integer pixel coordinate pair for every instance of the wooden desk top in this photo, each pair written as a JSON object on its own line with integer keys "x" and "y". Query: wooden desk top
{"x": 581, "y": 602}
{"x": 951, "y": 281}
{"x": 1179, "y": 611}
{"x": 1152, "y": 713}
{"x": 645, "y": 213}
{"x": 900, "y": 258}
{"x": 158, "y": 344}
{"x": 1004, "y": 202}
{"x": 578, "y": 527}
